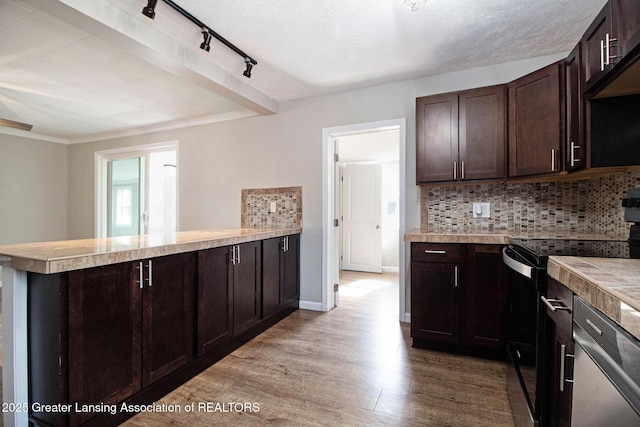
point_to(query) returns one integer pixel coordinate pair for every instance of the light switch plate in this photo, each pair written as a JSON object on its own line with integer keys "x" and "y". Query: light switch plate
{"x": 482, "y": 210}
{"x": 272, "y": 208}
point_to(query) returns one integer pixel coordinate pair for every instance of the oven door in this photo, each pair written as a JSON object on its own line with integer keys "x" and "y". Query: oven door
{"x": 525, "y": 344}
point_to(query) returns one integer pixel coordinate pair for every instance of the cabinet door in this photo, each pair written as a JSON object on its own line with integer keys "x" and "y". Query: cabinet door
{"x": 104, "y": 335}
{"x": 271, "y": 284}
{"x": 596, "y": 63}
{"x": 435, "y": 301}
{"x": 536, "y": 116}
{"x": 247, "y": 286}
{"x": 167, "y": 314}
{"x": 215, "y": 298}
{"x": 291, "y": 271}
{"x": 627, "y": 13}
{"x": 574, "y": 142}
{"x": 559, "y": 338}
{"x": 436, "y": 138}
{"x": 482, "y": 133}
{"x": 486, "y": 312}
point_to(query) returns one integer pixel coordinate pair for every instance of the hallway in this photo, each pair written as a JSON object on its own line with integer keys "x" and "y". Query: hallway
{"x": 352, "y": 366}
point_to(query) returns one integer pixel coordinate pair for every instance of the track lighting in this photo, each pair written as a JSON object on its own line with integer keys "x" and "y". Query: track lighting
{"x": 247, "y": 72}
{"x": 207, "y": 39}
{"x": 150, "y": 11}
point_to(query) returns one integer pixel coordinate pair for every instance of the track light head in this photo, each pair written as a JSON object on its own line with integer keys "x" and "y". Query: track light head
{"x": 247, "y": 72}
{"x": 150, "y": 9}
{"x": 207, "y": 39}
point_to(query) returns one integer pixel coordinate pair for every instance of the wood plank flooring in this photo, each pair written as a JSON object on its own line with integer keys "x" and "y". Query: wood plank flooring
{"x": 352, "y": 366}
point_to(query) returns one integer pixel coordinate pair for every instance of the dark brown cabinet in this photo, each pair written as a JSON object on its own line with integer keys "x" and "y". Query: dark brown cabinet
{"x": 105, "y": 333}
{"x": 486, "y": 296}
{"x": 536, "y": 119}
{"x": 280, "y": 274}
{"x": 167, "y": 314}
{"x": 122, "y": 327}
{"x": 246, "y": 266}
{"x": 458, "y": 297}
{"x": 614, "y": 34}
{"x": 215, "y": 298}
{"x": 598, "y": 47}
{"x": 435, "y": 291}
{"x": 125, "y": 332}
{"x": 575, "y": 150}
{"x": 627, "y": 13}
{"x": 461, "y": 136}
{"x": 558, "y": 335}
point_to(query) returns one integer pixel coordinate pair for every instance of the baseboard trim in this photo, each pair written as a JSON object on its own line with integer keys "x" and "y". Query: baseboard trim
{"x": 310, "y": 305}
{"x": 391, "y": 269}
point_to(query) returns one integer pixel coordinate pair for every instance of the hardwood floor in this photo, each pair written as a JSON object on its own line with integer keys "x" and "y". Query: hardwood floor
{"x": 352, "y": 366}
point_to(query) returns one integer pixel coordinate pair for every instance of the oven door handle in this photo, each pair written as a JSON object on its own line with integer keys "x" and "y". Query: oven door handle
{"x": 525, "y": 270}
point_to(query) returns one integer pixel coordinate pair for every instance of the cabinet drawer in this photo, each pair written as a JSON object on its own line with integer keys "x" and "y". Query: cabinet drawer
{"x": 560, "y": 297}
{"x": 436, "y": 252}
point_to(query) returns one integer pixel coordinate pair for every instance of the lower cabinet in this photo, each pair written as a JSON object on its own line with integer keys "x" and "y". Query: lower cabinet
{"x": 121, "y": 328}
{"x": 559, "y": 387}
{"x": 458, "y": 297}
{"x": 246, "y": 266}
{"x": 280, "y": 273}
{"x": 109, "y": 334}
{"x": 215, "y": 298}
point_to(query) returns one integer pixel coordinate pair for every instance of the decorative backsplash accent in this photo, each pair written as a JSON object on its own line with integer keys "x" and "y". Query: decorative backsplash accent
{"x": 256, "y": 207}
{"x": 566, "y": 208}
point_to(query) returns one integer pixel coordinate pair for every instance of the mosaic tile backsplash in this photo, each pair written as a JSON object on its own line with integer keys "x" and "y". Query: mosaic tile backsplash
{"x": 572, "y": 208}
{"x": 256, "y": 204}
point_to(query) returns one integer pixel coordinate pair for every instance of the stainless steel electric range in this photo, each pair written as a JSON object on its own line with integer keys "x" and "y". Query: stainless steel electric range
{"x": 527, "y": 261}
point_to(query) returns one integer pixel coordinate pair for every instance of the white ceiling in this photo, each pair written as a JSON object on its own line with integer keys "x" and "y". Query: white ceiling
{"x": 110, "y": 70}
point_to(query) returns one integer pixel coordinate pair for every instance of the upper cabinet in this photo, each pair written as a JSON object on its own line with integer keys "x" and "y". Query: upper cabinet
{"x": 575, "y": 150}
{"x": 613, "y": 35}
{"x": 461, "y": 136}
{"x": 536, "y": 116}
{"x": 599, "y": 45}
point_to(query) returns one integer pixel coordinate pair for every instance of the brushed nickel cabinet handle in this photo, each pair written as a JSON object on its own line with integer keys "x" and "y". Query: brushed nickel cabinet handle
{"x": 563, "y": 357}
{"x": 435, "y": 252}
{"x": 149, "y": 278}
{"x": 455, "y": 276}
{"x": 140, "y": 280}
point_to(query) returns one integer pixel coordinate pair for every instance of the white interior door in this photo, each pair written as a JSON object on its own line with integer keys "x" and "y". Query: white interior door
{"x": 361, "y": 205}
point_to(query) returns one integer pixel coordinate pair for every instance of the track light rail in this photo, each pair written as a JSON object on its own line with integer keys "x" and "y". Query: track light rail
{"x": 207, "y": 32}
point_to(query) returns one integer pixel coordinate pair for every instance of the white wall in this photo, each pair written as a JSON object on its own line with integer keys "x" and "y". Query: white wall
{"x": 33, "y": 190}
{"x": 390, "y": 218}
{"x": 216, "y": 161}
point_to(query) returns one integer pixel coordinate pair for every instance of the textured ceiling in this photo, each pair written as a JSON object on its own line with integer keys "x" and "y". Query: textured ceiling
{"x": 75, "y": 80}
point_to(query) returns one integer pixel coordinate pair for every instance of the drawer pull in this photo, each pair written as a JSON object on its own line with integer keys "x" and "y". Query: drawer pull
{"x": 594, "y": 327}
{"x": 435, "y": 252}
{"x": 548, "y": 303}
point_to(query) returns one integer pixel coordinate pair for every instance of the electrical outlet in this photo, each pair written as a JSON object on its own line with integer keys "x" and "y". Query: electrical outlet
{"x": 272, "y": 208}
{"x": 482, "y": 210}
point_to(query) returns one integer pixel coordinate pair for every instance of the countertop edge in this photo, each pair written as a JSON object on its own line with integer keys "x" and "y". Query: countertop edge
{"x": 60, "y": 264}
{"x": 603, "y": 289}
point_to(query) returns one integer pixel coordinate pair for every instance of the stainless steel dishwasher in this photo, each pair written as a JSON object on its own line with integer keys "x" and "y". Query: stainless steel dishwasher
{"x": 606, "y": 385}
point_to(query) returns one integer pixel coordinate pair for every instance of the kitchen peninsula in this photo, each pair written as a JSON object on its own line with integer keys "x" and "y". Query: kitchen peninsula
{"x": 126, "y": 319}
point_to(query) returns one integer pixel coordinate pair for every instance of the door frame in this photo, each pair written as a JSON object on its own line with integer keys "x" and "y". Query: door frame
{"x": 100, "y": 160}
{"x": 330, "y": 234}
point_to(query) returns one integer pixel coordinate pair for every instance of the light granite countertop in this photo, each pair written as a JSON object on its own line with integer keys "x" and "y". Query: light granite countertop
{"x": 612, "y": 285}
{"x": 495, "y": 238}
{"x": 68, "y": 255}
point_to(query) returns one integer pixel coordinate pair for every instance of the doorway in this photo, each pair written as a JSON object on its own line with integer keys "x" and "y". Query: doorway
{"x": 357, "y": 151}
{"x": 136, "y": 190}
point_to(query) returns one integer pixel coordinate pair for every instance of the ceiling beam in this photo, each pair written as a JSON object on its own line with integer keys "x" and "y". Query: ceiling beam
{"x": 136, "y": 37}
